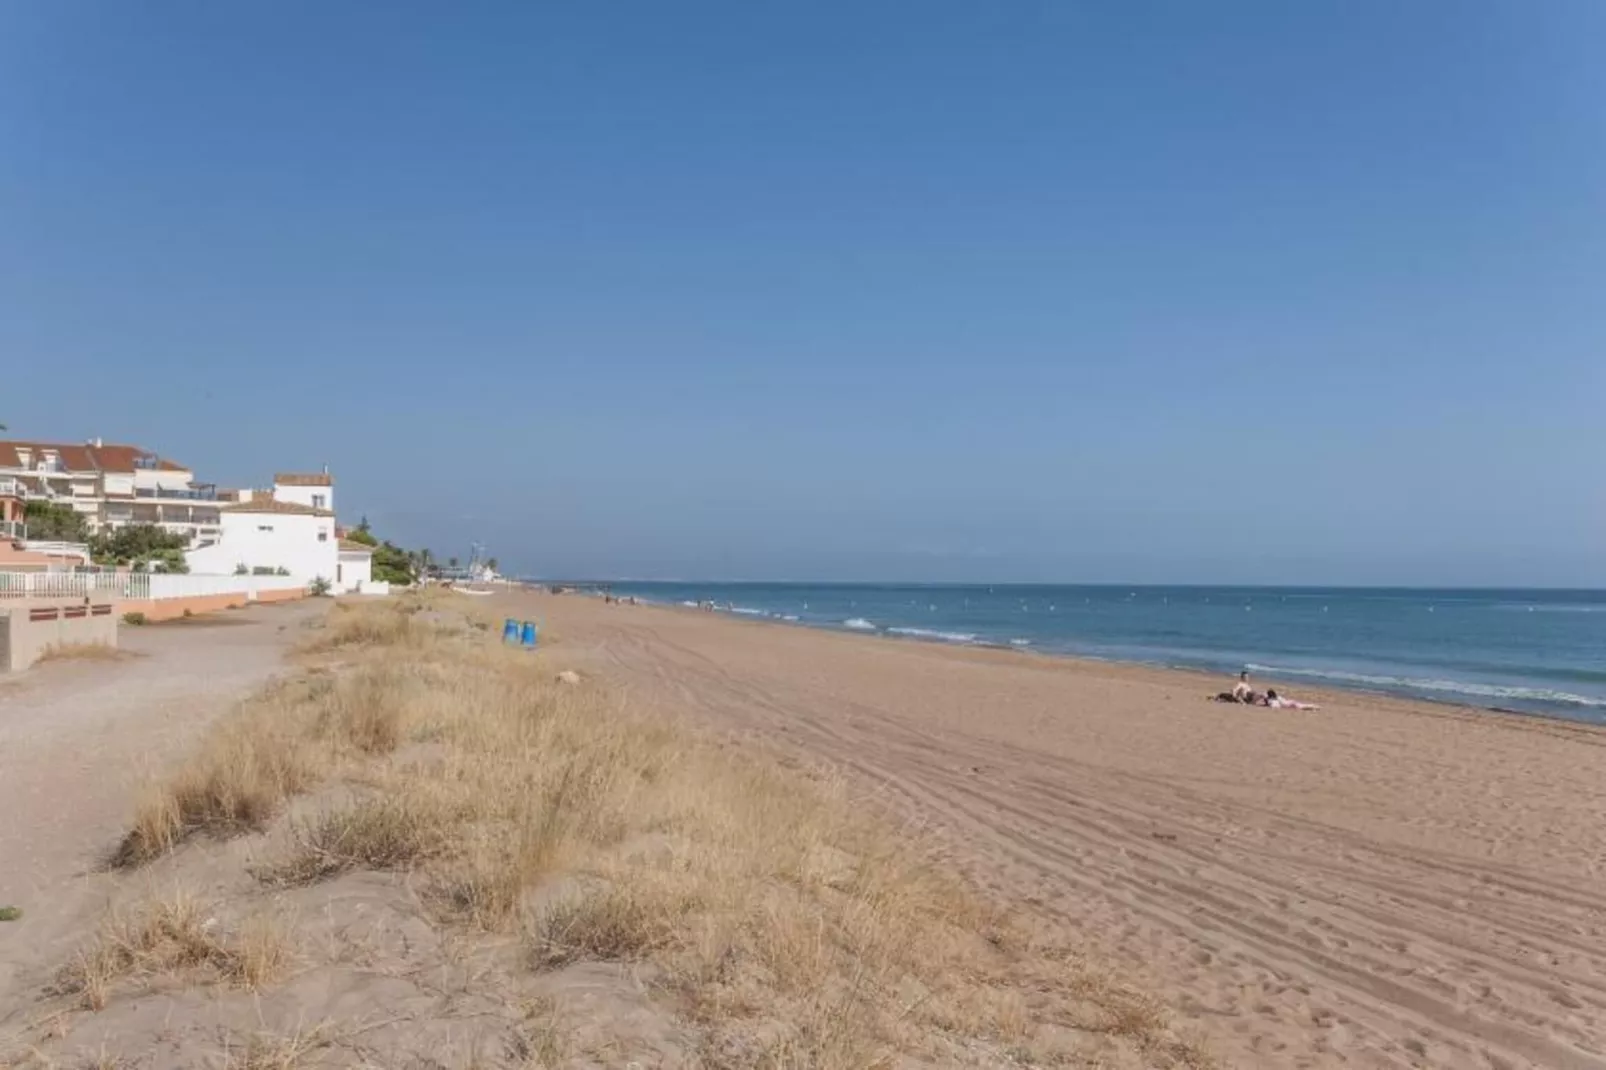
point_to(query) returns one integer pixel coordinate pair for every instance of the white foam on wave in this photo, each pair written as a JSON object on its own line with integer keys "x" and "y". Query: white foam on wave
{"x": 928, "y": 633}
{"x": 1020, "y": 642}
{"x": 1449, "y": 687}
{"x": 689, "y": 604}
{"x": 790, "y": 617}
{"x": 858, "y": 624}
{"x": 746, "y": 612}
{"x": 1531, "y": 608}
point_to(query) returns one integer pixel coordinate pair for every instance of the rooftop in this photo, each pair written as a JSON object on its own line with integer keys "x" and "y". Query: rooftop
{"x": 347, "y": 546}
{"x": 273, "y": 506}
{"x": 303, "y": 479}
{"x": 86, "y": 456}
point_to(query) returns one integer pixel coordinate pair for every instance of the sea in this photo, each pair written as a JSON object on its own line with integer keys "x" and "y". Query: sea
{"x": 1527, "y": 651}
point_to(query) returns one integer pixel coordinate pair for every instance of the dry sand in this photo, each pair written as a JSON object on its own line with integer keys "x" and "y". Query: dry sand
{"x": 1378, "y": 883}
{"x": 76, "y": 741}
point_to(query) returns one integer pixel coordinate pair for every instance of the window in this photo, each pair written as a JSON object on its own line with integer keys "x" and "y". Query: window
{"x": 320, "y": 501}
{"x": 264, "y": 527}
{"x": 323, "y": 535}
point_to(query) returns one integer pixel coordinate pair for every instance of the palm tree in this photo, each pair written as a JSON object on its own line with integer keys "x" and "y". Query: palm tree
{"x": 451, "y": 562}
{"x": 490, "y": 563}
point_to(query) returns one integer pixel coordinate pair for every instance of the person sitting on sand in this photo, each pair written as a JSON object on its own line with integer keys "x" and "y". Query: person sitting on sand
{"x": 1241, "y": 692}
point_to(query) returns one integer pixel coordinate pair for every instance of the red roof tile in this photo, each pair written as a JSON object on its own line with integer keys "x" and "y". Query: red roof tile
{"x": 304, "y": 479}
{"x": 84, "y": 457}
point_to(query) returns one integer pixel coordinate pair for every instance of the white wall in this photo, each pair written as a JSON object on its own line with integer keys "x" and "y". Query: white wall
{"x": 356, "y": 571}
{"x": 151, "y": 478}
{"x": 305, "y": 495}
{"x": 271, "y": 540}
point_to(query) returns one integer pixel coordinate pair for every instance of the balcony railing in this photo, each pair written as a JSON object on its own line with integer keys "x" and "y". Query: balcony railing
{"x": 10, "y": 488}
{"x": 12, "y": 530}
{"x": 202, "y": 494}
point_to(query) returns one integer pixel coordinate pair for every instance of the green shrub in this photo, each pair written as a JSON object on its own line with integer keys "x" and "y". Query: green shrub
{"x": 136, "y": 618}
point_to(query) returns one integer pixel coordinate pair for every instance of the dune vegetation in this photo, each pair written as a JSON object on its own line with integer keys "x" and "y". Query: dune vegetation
{"x": 545, "y": 830}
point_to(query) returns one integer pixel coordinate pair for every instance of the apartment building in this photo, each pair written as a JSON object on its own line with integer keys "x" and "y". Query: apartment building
{"x": 112, "y": 485}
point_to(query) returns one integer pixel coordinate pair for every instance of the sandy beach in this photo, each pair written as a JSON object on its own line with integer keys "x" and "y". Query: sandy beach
{"x": 1377, "y": 883}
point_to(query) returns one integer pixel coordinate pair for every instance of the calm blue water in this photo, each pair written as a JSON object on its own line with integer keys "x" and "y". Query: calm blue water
{"x": 1533, "y": 651}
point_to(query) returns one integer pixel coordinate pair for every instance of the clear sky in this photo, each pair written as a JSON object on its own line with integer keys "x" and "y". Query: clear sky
{"x": 1214, "y": 292}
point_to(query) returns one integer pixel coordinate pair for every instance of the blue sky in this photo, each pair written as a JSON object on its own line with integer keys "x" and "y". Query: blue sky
{"x": 1250, "y": 292}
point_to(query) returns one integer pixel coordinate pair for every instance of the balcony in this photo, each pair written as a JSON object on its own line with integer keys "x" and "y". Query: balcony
{"x": 13, "y": 530}
{"x": 201, "y": 493}
{"x": 10, "y": 488}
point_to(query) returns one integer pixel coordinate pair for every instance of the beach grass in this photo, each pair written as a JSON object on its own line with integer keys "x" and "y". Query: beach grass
{"x": 785, "y": 921}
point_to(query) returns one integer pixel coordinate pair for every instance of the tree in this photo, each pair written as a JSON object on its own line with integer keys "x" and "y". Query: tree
{"x": 491, "y": 564}
{"x": 55, "y": 523}
{"x": 362, "y": 535}
{"x": 392, "y": 564}
{"x": 451, "y": 562}
{"x": 141, "y": 546}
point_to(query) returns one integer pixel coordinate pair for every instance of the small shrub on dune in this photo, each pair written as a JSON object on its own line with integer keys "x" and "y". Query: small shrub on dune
{"x": 374, "y": 626}
{"x": 234, "y": 784}
{"x": 386, "y": 832}
{"x": 172, "y": 935}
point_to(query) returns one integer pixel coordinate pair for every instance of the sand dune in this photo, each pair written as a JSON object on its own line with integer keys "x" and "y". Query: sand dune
{"x": 1376, "y": 884}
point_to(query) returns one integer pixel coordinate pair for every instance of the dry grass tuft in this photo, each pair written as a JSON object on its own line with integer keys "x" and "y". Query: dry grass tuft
{"x": 388, "y": 832}
{"x": 235, "y": 783}
{"x": 171, "y": 936}
{"x": 372, "y": 624}
{"x": 266, "y": 1051}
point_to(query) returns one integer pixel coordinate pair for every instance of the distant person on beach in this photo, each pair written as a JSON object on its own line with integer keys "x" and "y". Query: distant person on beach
{"x": 1241, "y": 692}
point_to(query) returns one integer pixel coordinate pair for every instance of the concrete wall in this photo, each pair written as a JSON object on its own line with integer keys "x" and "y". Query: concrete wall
{"x": 160, "y": 609}
{"x": 31, "y": 626}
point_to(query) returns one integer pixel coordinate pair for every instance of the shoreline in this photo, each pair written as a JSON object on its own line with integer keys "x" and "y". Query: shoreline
{"x": 1323, "y": 695}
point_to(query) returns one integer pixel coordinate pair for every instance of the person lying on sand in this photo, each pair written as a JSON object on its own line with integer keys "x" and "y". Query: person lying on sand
{"x": 1277, "y": 702}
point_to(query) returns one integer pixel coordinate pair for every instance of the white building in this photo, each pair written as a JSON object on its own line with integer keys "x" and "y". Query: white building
{"x": 269, "y": 534}
{"x": 113, "y": 486}
{"x": 291, "y": 527}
